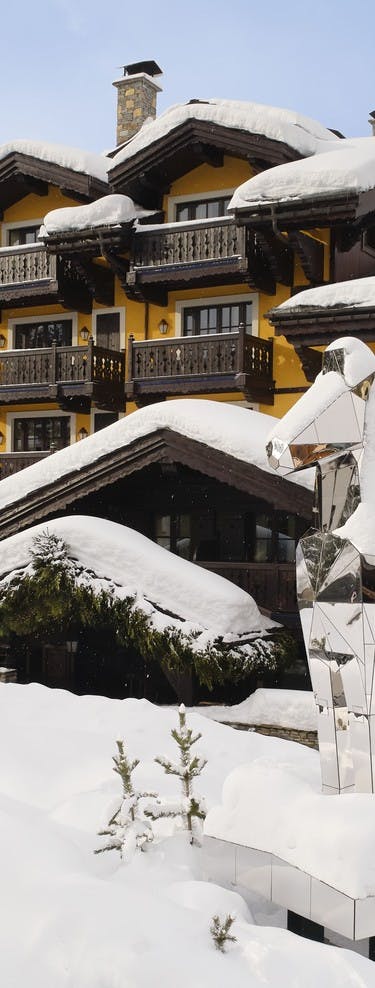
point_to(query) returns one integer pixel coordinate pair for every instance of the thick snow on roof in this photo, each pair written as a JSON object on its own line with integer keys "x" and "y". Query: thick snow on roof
{"x": 231, "y": 429}
{"x": 287, "y": 126}
{"x": 346, "y": 166}
{"x": 275, "y": 805}
{"x": 75, "y": 159}
{"x": 359, "y": 293}
{"x": 138, "y": 566}
{"x": 69, "y": 917}
{"x": 112, "y": 210}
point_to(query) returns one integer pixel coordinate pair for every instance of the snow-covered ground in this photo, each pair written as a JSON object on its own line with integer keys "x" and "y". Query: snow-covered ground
{"x": 70, "y": 918}
{"x": 294, "y": 709}
{"x": 237, "y": 431}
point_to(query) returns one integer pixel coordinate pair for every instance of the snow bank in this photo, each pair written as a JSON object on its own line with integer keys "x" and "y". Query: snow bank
{"x": 138, "y": 566}
{"x": 112, "y": 210}
{"x": 299, "y": 132}
{"x": 279, "y": 708}
{"x": 346, "y": 166}
{"x": 358, "y": 294}
{"x": 233, "y": 430}
{"x": 70, "y": 918}
{"x": 274, "y": 806}
{"x": 77, "y": 160}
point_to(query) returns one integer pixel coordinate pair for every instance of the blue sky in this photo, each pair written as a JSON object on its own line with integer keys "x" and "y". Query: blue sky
{"x": 59, "y": 58}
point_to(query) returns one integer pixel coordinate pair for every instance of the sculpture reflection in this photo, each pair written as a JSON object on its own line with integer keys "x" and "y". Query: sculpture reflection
{"x": 335, "y": 583}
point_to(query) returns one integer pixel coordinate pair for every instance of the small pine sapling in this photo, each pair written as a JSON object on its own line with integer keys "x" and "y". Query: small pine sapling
{"x": 127, "y": 829}
{"x": 190, "y": 808}
{"x": 220, "y": 931}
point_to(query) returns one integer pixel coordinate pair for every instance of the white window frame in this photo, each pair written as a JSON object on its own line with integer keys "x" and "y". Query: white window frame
{"x": 111, "y": 311}
{"x": 252, "y": 297}
{"x": 15, "y": 226}
{"x": 174, "y": 201}
{"x": 37, "y": 414}
{"x": 58, "y": 316}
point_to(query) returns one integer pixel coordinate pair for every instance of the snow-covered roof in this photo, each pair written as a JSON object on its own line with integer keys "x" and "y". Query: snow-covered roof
{"x": 233, "y": 430}
{"x": 301, "y": 133}
{"x": 339, "y": 167}
{"x": 75, "y": 159}
{"x": 359, "y": 293}
{"x": 109, "y": 211}
{"x": 137, "y": 566}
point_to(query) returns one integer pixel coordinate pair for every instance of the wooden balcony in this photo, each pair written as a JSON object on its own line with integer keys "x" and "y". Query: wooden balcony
{"x": 183, "y": 254}
{"x": 201, "y": 365}
{"x": 69, "y": 375}
{"x": 31, "y": 276}
{"x": 273, "y": 585}
{"x": 11, "y": 463}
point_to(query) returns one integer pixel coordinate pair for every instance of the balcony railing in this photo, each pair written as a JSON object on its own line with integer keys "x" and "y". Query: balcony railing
{"x": 180, "y": 252}
{"x": 195, "y": 364}
{"x": 55, "y": 372}
{"x": 29, "y": 274}
{"x": 11, "y": 463}
{"x": 273, "y": 585}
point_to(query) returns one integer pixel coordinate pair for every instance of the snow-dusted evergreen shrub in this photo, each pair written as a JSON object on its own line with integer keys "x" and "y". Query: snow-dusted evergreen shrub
{"x": 127, "y": 828}
{"x": 189, "y": 808}
{"x": 55, "y": 596}
{"x": 220, "y": 931}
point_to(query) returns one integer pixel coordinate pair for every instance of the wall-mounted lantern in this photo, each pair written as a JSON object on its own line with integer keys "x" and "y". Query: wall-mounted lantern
{"x": 163, "y": 326}
{"x": 82, "y": 434}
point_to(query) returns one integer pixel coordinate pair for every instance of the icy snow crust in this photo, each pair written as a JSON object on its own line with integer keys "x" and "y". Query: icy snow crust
{"x": 112, "y": 210}
{"x": 70, "y": 918}
{"x": 346, "y": 166}
{"x": 136, "y": 566}
{"x": 77, "y": 160}
{"x": 359, "y": 293}
{"x": 299, "y": 132}
{"x": 236, "y": 431}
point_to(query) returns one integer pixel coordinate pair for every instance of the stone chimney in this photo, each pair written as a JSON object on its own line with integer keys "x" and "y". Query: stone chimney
{"x": 136, "y": 98}
{"x": 372, "y": 121}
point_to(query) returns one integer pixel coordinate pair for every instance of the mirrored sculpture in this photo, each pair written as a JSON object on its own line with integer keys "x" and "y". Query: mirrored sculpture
{"x": 330, "y": 428}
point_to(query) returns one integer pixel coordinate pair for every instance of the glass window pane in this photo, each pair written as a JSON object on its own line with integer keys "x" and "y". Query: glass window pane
{"x": 213, "y": 208}
{"x": 200, "y": 211}
{"x": 182, "y": 213}
{"x": 203, "y": 320}
{"x": 212, "y": 319}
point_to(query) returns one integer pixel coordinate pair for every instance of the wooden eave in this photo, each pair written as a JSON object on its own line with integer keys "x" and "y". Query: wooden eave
{"x": 22, "y": 174}
{"x": 304, "y": 214}
{"x": 164, "y": 445}
{"x": 148, "y": 174}
{"x": 322, "y": 326}
{"x": 90, "y": 241}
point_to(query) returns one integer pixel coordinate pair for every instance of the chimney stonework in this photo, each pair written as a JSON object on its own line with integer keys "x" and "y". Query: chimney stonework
{"x": 136, "y": 98}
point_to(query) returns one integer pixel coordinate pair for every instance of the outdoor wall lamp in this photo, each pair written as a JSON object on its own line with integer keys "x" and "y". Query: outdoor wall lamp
{"x": 163, "y": 326}
{"x": 1, "y": 438}
{"x": 84, "y": 333}
{"x": 82, "y": 434}
{"x": 2, "y": 341}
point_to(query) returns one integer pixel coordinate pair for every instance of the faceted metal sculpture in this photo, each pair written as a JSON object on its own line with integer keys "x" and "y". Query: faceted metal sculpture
{"x": 335, "y": 583}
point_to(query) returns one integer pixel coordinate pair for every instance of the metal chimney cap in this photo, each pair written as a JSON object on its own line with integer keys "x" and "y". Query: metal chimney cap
{"x": 150, "y": 68}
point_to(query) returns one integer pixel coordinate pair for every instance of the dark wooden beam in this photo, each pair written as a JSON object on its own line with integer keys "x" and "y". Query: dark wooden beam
{"x": 311, "y": 361}
{"x": 279, "y": 256}
{"x": 311, "y": 254}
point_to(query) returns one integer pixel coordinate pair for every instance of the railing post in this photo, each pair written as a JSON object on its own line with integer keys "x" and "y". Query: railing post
{"x": 90, "y": 360}
{"x": 129, "y": 360}
{"x": 241, "y": 348}
{"x": 53, "y": 367}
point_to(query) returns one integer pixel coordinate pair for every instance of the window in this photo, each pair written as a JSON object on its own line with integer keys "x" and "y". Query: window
{"x": 15, "y": 236}
{"x": 275, "y": 538}
{"x": 32, "y": 335}
{"x": 107, "y": 331}
{"x": 202, "y": 209}
{"x": 102, "y": 419}
{"x": 34, "y": 434}
{"x": 225, "y": 318}
{"x": 173, "y": 532}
